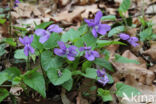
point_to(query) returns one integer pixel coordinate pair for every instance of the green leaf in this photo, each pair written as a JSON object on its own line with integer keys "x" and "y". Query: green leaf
{"x": 1, "y": 10}
{"x": 109, "y": 17}
{"x": 7, "y": 9}
{"x": 90, "y": 73}
{"x": 29, "y": 72}
{"x": 16, "y": 80}
{"x": 71, "y": 35}
{"x": 10, "y": 41}
{"x": 2, "y": 49}
{"x": 36, "y": 81}
{"x": 102, "y": 43}
{"x": 88, "y": 38}
{"x": 3, "y": 77}
{"x": 153, "y": 36}
{"x": 110, "y": 79}
{"x": 12, "y": 72}
{"x": 68, "y": 84}
{"x": 43, "y": 25}
{"x": 122, "y": 59}
{"x": 74, "y": 35}
{"x": 143, "y": 21}
{"x": 106, "y": 54}
{"x": 129, "y": 21}
{"x": 105, "y": 94}
{"x": 83, "y": 29}
{"x": 116, "y": 30}
{"x": 52, "y": 41}
{"x": 93, "y": 88}
{"x": 2, "y": 15}
{"x": 146, "y": 34}
{"x": 86, "y": 64}
{"x": 48, "y": 61}
{"x": 19, "y": 54}
{"x": 104, "y": 63}
{"x": 36, "y": 44}
{"x": 3, "y": 94}
{"x": 125, "y": 5}
{"x": 54, "y": 77}
{"x": 126, "y": 89}
{"x": 2, "y": 21}
{"x": 77, "y": 72}
{"x": 20, "y": 28}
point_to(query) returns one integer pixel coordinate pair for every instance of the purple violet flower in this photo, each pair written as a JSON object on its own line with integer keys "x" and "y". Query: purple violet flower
{"x": 16, "y": 3}
{"x": 124, "y": 36}
{"x": 89, "y": 54}
{"x": 96, "y": 25}
{"x": 103, "y": 77}
{"x": 54, "y": 28}
{"x": 26, "y": 41}
{"x": 70, "y": 52}
{"x": 45, "y": 34}
{"x": 131, "y": 40}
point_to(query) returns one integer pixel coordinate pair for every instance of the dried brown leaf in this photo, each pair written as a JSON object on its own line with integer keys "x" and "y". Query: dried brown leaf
{"x": 64, "y": 98}
{"x": 146, "y": 90}
{"x": 67, "y": 17}
{"x": 138, "y": 71}
{"x": 86, "y": 88}
{"x": 81, "y": 100}
{"x": 16, "y": 90}
{"x": 25, "y": 10}
{"x": 76, "y": 15}
{"x": 152, "y": 51}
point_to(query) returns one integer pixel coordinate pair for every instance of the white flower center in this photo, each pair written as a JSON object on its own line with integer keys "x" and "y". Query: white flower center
{"x": 96, "y": 27}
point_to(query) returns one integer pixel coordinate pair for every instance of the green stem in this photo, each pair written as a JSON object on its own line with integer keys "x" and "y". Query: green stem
{"x": 126, "y": 25}
{"x": 13, "y": 99}
{"x": 28, "y": 63}
{"x": 43, "y": 72}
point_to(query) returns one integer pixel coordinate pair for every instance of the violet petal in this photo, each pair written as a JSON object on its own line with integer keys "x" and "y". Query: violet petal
{"x": 70, "y": 58}
{"x": 26, "y": 50}
{"x": 31, "y": 49}
{"x": 44, "y": 38}
{"x": 94, "y": 32}
{"x": 59, "y": 52}
{"x": 61, "y": 45}
{"x": 21, "y": 40}
{"x": 124, "y": 36}
{"x": 98, "y": 17}
{"x": 54, "y": 28}
{"x": 40, "y": 32}
{"x": 90, "y": 22}
{"x": 103, "y": 28}
{"x": 89, "y": 56}
{"x": 95, "y": 53}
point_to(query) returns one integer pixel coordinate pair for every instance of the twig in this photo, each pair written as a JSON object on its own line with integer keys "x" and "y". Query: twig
{"x": 5, "y": 85}
{"x": 10, "y": 18}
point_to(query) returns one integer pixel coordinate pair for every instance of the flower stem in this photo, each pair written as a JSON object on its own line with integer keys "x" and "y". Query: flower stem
{"x": 28, "y": 63}
{"x": 13, "y": 99}
{"x": 43, "y": 72}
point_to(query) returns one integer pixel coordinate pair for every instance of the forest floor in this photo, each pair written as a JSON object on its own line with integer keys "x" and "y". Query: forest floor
{"x": 70, "y": 14}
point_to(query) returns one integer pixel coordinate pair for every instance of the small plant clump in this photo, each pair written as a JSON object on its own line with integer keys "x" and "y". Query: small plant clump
{"x": 67, "y": 57}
